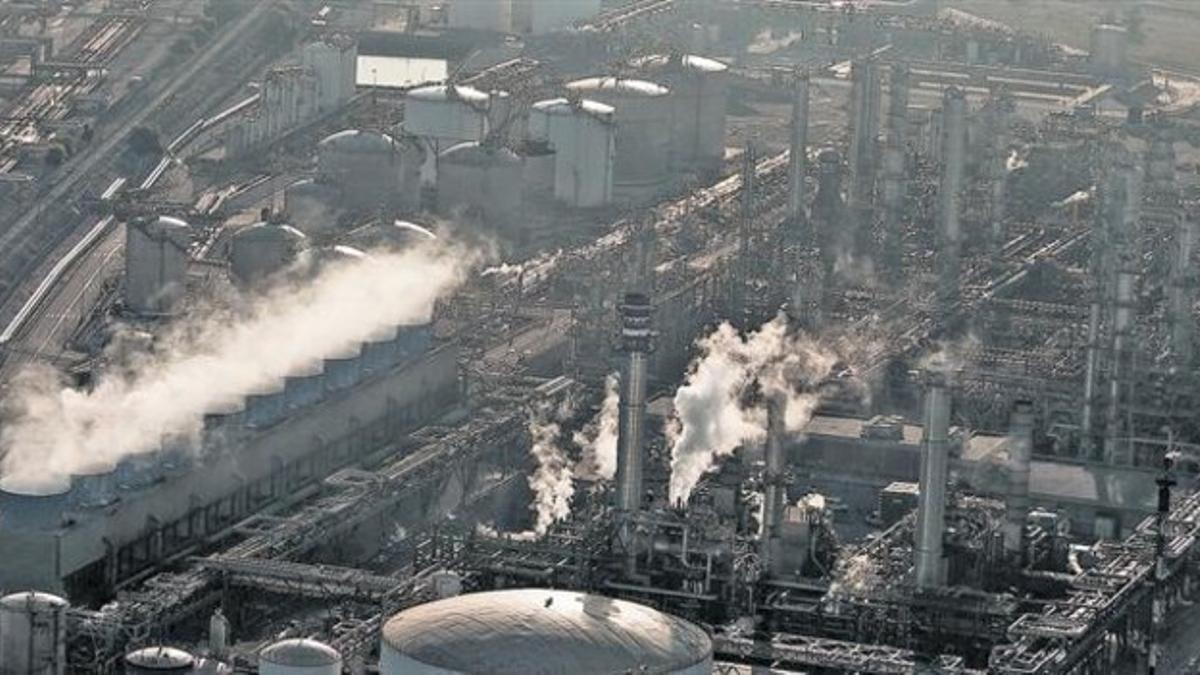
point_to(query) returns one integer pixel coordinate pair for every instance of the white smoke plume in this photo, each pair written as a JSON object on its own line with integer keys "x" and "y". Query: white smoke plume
{"x": 216, "y": 359}
{"x": 599, "y": 438}
{"x": 716, "y": 411}
{"x": 551, "y": 480}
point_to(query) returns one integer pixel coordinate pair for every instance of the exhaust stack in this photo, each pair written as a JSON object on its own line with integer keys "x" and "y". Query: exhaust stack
{"x": 798, "y": 153}
{"x": 636, "y": 337}
{"x": 774, "y": 493}
{"x": 949, "y": 255}
{"x": 929, "y": 565}
{"x": 1020, "y": 451}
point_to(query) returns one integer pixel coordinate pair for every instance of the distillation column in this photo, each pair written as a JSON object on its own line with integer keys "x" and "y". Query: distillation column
{"x": 935, "y": 462}
{"x": 828, "y": 218}
{"x": 1123, "y": 210}
{"x": 636, "y": 343}
{"x": 1020, "y": 453}
{"x": 864, "y": 130}
{"x": 1165, "y": 208}
{"x": 949, "y": 254}
{"x": 1002, "y": 107}
{"x": 773, "y": 497}
{"x": 894, "y": 190}
{"x": 745, "y": 220}
{"x": 798, "y": 153}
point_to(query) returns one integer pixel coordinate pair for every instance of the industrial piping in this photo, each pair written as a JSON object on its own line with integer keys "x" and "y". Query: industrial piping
{"x": 1020, "y": 452}
{"x": 935, "y": 461}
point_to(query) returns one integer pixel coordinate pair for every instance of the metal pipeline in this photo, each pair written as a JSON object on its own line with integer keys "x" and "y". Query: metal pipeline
{"x": 931, "y": 510}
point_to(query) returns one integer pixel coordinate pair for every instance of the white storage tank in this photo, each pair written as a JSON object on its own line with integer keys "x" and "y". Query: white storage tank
{"x": 299, "y": 657}
{"x": 156, "y": 258}
{"x": 541, "y": 631}
{"x": 33, "y": 634}
{"x": 699, "y": 88}
{"x": 312, "y": 206}
{"x": 484, "y": 180}
{"x": 371, "y": 169}
{"x": 492, "y": 15}
{"x": 643, "y": 113}
{"x": 447, "y": 113}
{"x": 1110, "y": 47}
{"x": 582, "y": 134}
{"x": 261, "y": 250}
{"x": 333, "y": 61}
{"x": 94, "y": 485}
{"x": 153, "y": 660}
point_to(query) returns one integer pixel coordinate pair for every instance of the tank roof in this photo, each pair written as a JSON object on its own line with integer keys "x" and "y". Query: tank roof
{"x": 360, "y": 140}
{"x": 531, "y": 630}
{"x": 49, "y": 485}
{"x": 444, "y": 92}
{"x": 32, "y": 600}
{"x": 619, "y": 84}
{"x": 160, "y": 658}
{"x": 269, "y": 232}
{"x": 475, "y": 154}
{"x": 300, "y": 652}
{"x": 564, "y": 106}
{"x": 701, "y": 64}
{"x": 406, "y": 227}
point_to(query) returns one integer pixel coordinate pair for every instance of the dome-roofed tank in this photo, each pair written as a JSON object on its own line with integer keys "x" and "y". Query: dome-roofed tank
{"x": 158, "y": 660}
{"x": 33, "y": 634}
{"x": 581, "y": 133}
{"x": 541, "y": 631}
{"x": 643, "y": 137}
{"x": 448, "y": 113}
{"x": 299, "y": 657}
{"x": 394, "y": 235}
{"x": 311, "y": 206}
{"x": 371, "y": 169}
{"x": 156, "y": 257}
{"x": 261, "y": 250}
{"x": 481, "y": 178}
{"x": 699, "y": 88}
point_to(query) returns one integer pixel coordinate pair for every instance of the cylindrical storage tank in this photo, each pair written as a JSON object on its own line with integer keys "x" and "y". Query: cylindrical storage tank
{"x": 379, "y": 352}
{"x": 261, "y": 250}
{"x": 343, "y": 370}
{"x": 156, "y": 257}
{"x": 538, "y": 160}
{"x": 643, "y": 135}
{"x": 481, "y": 179}
{"x": 541, "y": 631}
{"x": 154, "y": 660}
{"x": 412, "y": 341}
{"x": 305, "y": 386}
{"x": 299, "y": 657}
{"x": 33, "y": 634}
{"x": 493, "y": 15}
{"x": 176, "y": 457}
{"x": 1110, "y": 46}
{"x": 135, "y": 472}
{"x": 448, "y": 114}
{"x": 312, "y": 206}
{"x": 266, "y": 406}
{"x": 371, "y": 169}
{"x": 93, "y": 486}
{"x": 699, "y": 89}
{"x": 224, "y": 419}
{"x": 582, "y": 134}
{"x": 27, "y": 505}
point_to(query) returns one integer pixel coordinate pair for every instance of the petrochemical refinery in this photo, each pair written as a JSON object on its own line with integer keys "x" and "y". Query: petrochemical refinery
{"x": 599, "y": 336}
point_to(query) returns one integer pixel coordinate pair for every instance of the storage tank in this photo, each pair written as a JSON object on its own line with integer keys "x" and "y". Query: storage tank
{"x": 484, "y": 180}
{"x": 492, "y": 15}
{"x": 156, "y": 257}
{"x": 311, "y": 206}
{"x": 299, "y": 657}
{"x": 305, "y": 386}
{"x": 699, "y": 90}
{"x": 261, "y": 250}
{"x": 541, "y": 631}
{"x": 448, "y": 114}
{"x": 27, "y": 504}
{"x": 582, "y": 134}
{"x": 371, "y": 169}
{"x": 1110, "y": 46}
{"x": 333, "y": 61}
{"x": 643, "y": 112}
{"x": 154, "y": 660}
{"x": 33, "y": 634}
{"x": 93, "y": 486}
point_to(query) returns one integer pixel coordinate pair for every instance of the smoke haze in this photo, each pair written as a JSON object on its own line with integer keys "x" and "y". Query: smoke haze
{"x": 215, "y": 360}
{"x": 551, "y": 480}
{"x": 599, "y": 438}
{"x": 715, "y": 412}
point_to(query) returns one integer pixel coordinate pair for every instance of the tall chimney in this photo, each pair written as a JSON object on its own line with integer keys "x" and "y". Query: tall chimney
{"x": 1020, "y": 452}
{"x": 749, "y": 167}
{"x": 636, "y": 337}
{"x": 864, "y": 129}
{"x": 1123, "y": 211}
{"x": 998, "y": 168}
{"x": 949, "y": 254}
{"x": 774, "y": 496}
{"x": 798, "y": 153}
{"x": 895, "y": 180}
{"x": 931, "y": 509}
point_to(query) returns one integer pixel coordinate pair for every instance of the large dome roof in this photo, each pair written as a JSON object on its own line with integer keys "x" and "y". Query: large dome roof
{"x": 300, "y": 652}
{"x": 531, "y": 631}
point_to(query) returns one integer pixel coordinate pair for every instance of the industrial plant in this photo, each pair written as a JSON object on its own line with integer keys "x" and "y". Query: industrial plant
{"x": 599, "y": 337}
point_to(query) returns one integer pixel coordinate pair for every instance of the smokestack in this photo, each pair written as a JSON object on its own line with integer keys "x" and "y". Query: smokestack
{"x": 1123, "y": 212}
{"x": 864, "y": 129}
{"x": 949, "y": 253}
{"x": 998, "y": 169}
{"x": 749, "y": 164}
{"x": 773, "y": 478}
{"x": 895, "y": 183}
{"x": 636, "y": 336}
{"x": 797, "y": 156}
{"x": 1020, "y": 451}
{"x": 931, "y": 509}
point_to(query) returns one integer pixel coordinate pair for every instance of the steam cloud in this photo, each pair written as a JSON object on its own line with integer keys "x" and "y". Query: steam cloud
{"x": 216, "y": 360}
{"x": 715, "y": 412}
{"x": 599, "y": 438}
{"x": 551, "y": 480}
